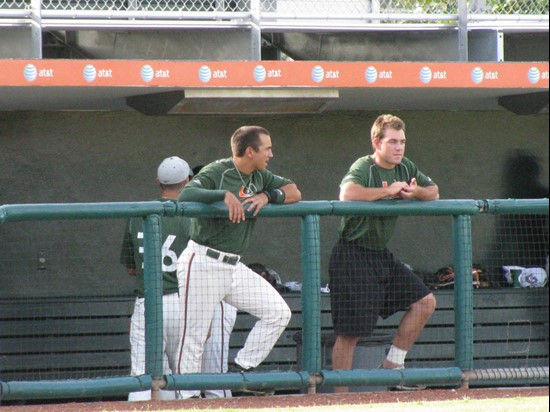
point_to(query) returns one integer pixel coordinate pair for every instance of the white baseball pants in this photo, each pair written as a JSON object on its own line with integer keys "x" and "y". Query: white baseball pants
{"x": 205, "y": 281}
{"x": 171, "y": 335}
{"x": 216, "y": 349}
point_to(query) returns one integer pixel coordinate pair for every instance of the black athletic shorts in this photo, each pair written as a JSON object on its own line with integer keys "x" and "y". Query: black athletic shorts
{"x": 365, "y": 284}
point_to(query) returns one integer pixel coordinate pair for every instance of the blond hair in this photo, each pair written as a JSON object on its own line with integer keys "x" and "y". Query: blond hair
{"x": 382, "y": 123}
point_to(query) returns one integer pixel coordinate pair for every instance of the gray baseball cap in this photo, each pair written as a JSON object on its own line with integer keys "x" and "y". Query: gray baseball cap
{"x": 173, "y": 170}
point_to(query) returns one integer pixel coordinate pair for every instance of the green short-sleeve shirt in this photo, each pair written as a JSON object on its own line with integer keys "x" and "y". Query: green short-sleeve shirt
{"x": 374, "y": 232}
{"x": 209, "y": 186}
{"x": 175, "y": 235}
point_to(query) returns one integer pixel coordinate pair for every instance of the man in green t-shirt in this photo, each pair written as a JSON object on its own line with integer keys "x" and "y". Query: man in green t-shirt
{"x": 366, "y": 280}
{"x": 210, "y": 269}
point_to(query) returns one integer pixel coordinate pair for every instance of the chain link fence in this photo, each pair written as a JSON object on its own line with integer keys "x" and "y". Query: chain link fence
{"x": 330, "y": 8}
{"x": 509, "y": 7}
{"x": 21, "y": 4}
{"x": 357, "y": 8}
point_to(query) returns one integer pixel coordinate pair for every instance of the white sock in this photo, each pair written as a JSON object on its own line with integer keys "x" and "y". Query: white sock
{"x": 396, "y": 355}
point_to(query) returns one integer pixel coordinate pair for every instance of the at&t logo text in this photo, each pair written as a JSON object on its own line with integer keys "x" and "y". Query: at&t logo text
{"x": 30, "y": 72}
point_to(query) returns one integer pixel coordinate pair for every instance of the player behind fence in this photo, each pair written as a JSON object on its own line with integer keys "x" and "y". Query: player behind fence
{"x": 210, "y": 269}
{"x": 366, "y": 280}
{"x": 172, "y": 175}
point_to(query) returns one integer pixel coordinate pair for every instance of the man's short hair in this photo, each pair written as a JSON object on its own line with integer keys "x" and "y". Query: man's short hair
{"x": 383, "y": 122}
{"x": 245, "y": 137}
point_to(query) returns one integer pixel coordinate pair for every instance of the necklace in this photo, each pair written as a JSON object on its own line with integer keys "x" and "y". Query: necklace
{"x": 248, "y": 189}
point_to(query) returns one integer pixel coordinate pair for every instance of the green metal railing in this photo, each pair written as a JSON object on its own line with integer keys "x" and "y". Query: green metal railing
{"x": 310, "y": 213}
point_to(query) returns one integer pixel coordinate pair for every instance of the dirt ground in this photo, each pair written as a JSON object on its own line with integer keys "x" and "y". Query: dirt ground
{"x": 244, "y": 402}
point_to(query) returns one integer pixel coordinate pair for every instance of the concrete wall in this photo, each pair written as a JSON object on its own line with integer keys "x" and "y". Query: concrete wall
{"x": 113, "y": 156}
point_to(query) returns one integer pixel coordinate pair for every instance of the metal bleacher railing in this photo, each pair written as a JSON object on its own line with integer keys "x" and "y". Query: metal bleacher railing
{"x": 311, "y": 373}
{"x": 275, "y": 14}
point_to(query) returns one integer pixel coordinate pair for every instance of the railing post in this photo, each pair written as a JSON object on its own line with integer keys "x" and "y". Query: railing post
{"x": 463, "y": 291}
{"x": 36, "y": 28}
{"x": 152, "y": 260}
{"x": 255, "y": 31}
{"x": 462, "y": 30}
{"x": 311, "y": 294}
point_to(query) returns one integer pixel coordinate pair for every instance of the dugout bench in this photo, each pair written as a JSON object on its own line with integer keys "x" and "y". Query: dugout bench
{"x": 64, "y": 338}
{"x": 510, "y": 331}
{"x": 87, "y": 337}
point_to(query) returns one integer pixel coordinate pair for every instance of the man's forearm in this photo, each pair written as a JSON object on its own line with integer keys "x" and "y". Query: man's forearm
{"x": 292, "y": 193}
{"x": 198, "y": 194}
{"x": 427, "y": 193}
{"x": 355, "y": 192}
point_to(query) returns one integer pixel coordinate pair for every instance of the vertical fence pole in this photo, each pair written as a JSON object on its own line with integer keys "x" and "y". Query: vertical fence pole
{"x": 152, "y": 259}
{"x": 462, "y": 30}
{"x": 255, "y": 31}
{"x": 464, "y": 309}
{"x": 36, "y": 29}
{"x": 311, "y": 294}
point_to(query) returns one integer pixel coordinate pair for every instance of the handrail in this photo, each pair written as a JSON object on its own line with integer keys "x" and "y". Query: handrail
{"x": 51, "y": 211}
{"x": 319, "y": 207}
{"x": 408, "y": 208}
{"x": 74, "y": 388}
{"x": 504, "y": 206}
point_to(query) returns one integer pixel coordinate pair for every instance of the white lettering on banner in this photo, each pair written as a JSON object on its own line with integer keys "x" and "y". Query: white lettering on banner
{"x": 45, "y": 73}
{"x": 544, "y": 75}
{"x": 332, "y": 74}
{"x": 385, "y": 74}
{"x": 105, "y": 73}
{"x": 274, "y": 73}
{"x": 220, "y": 74}
{"x": 440, "y": 75}
{"x": 491, "y": 75}
{"x": 162, "y": 73}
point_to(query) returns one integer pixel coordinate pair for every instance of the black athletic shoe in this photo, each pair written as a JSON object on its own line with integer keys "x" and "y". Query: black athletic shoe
{"x": 408, "y": 387}
{"x": 405, "y": 387}
{"x": 236, "y": 368}
{"x": 259, "y": 392}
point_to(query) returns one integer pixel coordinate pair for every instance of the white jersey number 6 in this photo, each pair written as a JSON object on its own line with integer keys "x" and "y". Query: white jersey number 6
{"x": 170, "y": 255}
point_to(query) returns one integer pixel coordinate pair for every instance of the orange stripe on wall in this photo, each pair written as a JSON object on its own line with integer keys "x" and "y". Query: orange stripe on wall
{"x": 155, "y": 73}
